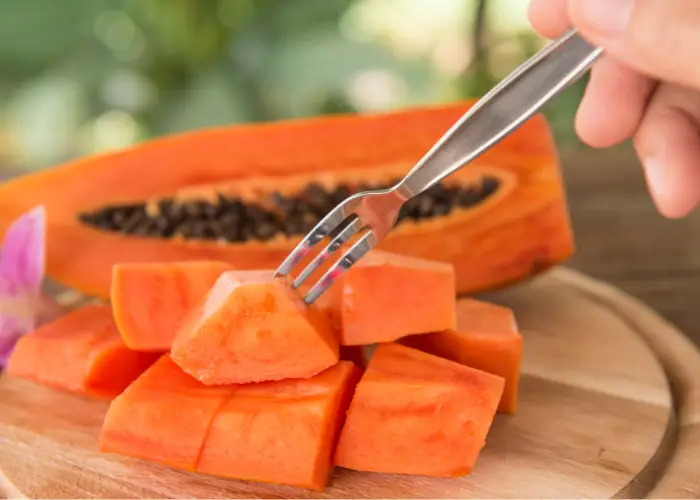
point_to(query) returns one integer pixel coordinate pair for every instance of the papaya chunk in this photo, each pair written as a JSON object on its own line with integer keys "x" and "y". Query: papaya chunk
{"x": 486, "y": 338}
{"x": 81, "y": 352}
{"x": 281, "y": 432}
{"x": 253, "y": 328}
{"x": 150, "y": 300}
{"x": 163, "y": 416}
{"x": 246, "y": 193}
{"x": 387, "y": 296}
{"x": 415, "y": 413}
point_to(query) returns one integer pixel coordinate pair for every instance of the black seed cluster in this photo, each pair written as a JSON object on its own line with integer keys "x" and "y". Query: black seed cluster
{"x": 230, "y": 219}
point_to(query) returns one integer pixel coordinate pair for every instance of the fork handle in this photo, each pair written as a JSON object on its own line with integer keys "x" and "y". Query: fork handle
{"x": 507, "y": 106}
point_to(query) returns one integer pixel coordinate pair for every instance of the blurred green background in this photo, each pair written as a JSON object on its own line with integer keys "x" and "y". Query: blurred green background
{"x": 82, "y": 76}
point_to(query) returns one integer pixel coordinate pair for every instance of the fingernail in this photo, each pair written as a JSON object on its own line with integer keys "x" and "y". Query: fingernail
{"x": 656, "y": 176}
{"x": 608, "y": 17}
{"x": 667, "y": 191}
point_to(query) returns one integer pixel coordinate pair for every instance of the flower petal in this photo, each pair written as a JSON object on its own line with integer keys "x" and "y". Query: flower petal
{"x": 23, "y": 253}
{"x": 43, "y": 310}
{"x": 22, "y": 261}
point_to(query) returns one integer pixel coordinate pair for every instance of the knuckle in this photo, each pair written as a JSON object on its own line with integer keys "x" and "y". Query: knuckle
{"x": 681, "y": 101}
{"x": 666, "y": 35}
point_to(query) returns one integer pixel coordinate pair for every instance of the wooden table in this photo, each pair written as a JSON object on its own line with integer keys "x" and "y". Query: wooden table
{"x": 623, "y": 240}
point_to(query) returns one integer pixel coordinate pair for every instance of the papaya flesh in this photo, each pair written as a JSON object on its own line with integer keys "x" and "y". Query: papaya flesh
{"x": 387, "y": 296}
{"x": 281, "y": 432}
{"x": 415, "y": 413}
{"x": 79, "y": 352}
{"x": 246, "y": 194}
{"x": 486, "y": 338}
{"x": 251, "y": 327}
{"x": 150, "y": 300}
{"x": 163, "y": 416}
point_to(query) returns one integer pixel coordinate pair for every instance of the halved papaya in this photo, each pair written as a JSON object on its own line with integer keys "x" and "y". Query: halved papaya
{"x": 246, "y": 194}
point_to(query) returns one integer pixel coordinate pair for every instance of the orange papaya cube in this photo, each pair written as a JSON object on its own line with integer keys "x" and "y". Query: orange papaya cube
{"x": 281, "y": 432}
{"x": 150, "y": 300}
{"x": 252, "y": 327}
{"x": 486, "y": 338}
{"x": 80, "y": 352}
{"x": 386, "y": 296}
{"x": 415, "y": 413}
{"x": 162, "y": 417}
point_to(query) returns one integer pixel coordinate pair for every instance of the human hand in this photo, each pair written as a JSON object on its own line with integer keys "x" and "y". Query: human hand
{"x": 646, "y": 86}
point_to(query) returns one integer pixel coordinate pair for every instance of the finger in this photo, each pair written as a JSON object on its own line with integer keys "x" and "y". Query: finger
{"x": 550, "y": 18}
{"x": 613, "y": 104}
{"x": 658, "y": 37}
{"x": 668, "y": 143}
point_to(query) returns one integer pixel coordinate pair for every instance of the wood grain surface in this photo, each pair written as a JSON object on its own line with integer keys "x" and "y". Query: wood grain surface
{"x": 600, "y": 414}
{"x": 621, "y": 238}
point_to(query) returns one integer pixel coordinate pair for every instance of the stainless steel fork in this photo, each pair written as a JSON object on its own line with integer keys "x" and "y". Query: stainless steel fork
{"x": 507, "y": 106}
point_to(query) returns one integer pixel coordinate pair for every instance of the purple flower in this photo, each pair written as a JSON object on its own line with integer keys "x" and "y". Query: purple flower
{"x": 22, "y": 262}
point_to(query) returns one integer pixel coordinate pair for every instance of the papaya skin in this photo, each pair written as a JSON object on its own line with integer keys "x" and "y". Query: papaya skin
{"x": 520, "y": 231}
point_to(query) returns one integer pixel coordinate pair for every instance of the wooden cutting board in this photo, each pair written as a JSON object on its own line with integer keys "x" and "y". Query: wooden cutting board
{"x": 609, "y": 406}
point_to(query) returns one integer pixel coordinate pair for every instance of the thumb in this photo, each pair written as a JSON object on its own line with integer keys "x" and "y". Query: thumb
{"x": 657, "y": 37}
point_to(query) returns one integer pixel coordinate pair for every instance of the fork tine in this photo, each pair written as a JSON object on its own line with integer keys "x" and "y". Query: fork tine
{"x": 337, "y": 242}
{"x": 320, "y": 231}
{"x": 356, "y": 252}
